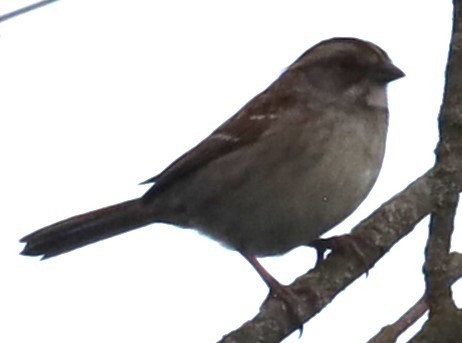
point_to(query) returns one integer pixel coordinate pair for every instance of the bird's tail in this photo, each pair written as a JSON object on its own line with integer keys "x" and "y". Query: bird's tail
{"x": 87, "y": 228}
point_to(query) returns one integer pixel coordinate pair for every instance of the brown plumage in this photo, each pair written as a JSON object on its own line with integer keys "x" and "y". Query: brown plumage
{"x": 290, "y": 165}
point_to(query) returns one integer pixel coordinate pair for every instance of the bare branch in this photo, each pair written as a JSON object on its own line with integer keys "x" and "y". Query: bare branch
{"x": 26, "y": 9}
{"x": 390, "y": 333}
{"x": 438, "y": 286}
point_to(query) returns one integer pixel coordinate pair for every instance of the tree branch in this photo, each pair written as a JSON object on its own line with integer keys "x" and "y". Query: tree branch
{"x": 390, "y": 333}
{"x": 438, "y": 286}
{"x": 18, "y": 12}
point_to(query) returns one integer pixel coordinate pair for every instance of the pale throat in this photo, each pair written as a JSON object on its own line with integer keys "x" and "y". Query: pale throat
{"x": 377, "y": 96}
{"x": 372, "y": 95}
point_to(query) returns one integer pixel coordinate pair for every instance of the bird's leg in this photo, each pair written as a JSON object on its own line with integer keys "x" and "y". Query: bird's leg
{"x": 270, "y": 281}
{"x": 277, "y": 290}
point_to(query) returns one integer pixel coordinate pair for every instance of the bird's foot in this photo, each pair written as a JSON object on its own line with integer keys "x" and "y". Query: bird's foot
{"x": 290, "y": 301}
{"x": 280, "y": 292}
{"x": 345, "y": 244}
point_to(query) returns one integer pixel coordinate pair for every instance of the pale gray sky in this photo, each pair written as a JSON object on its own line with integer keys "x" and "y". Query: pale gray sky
{"x": 98, "y": 96}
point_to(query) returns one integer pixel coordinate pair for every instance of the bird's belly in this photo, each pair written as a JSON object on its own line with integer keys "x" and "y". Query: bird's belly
{"x": 292, "y": 208}
{"x": 277, "y": 200}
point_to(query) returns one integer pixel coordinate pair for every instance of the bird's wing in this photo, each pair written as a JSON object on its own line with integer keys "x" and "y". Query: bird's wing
{"x": 245, "y": 127}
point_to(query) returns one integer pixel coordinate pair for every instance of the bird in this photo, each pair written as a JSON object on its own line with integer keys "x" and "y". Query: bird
{"x": 290, "y": 165}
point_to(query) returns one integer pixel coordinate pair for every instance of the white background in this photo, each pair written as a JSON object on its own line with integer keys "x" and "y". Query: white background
{"x": 97, "y": 96}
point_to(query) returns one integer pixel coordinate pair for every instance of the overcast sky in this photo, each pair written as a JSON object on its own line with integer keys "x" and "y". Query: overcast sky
{"x": 98, "y": 96}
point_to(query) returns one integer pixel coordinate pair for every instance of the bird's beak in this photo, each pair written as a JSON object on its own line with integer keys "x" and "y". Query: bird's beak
{"x": 389, "y": 72}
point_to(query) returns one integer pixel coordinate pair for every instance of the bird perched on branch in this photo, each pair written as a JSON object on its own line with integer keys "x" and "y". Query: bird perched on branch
{"x": 290, "y": 165}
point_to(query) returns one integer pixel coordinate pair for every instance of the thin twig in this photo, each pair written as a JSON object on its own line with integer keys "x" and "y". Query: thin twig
{"x": 390, "y": 333}
{"x": 18, "y": 12}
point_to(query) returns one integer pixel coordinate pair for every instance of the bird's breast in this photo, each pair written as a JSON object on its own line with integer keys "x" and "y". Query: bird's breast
{"x": 290, "y": 188}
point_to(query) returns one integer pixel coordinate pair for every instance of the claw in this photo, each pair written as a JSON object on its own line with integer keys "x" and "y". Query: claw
{"x": 289, "y": 298}
{"x": 343, "y": 244}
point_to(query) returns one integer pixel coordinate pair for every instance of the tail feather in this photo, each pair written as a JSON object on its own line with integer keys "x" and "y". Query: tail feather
{"x": 87, "y": 228}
